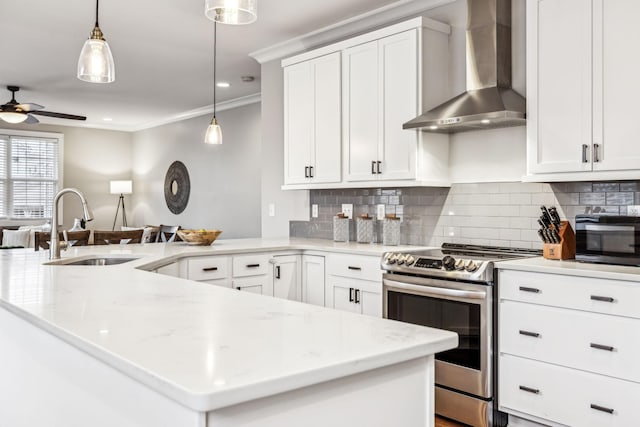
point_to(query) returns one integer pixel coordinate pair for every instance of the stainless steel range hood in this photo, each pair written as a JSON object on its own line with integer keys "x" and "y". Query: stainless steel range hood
{"x": 489, "y": 101}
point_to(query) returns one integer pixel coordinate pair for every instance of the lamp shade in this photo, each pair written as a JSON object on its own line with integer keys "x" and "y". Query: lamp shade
{"x": 214, "y": 133}
{"x": 11, "y": 117}
{"x": 95, "y": 64}
{"x": 121, "y": 187}
{"x": 235, "y": 12}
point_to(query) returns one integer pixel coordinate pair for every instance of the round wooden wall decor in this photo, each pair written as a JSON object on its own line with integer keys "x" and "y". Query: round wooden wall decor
{"x": 177, "y": 187}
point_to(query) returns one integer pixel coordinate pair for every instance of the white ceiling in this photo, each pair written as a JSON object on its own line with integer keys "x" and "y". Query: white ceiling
{"x": 163, "y": 51}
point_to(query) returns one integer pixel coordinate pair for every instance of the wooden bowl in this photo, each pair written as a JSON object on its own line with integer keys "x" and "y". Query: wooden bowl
{"x": 199, "y": 237}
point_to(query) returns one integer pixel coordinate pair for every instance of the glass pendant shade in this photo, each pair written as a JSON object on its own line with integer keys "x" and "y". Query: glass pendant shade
{"x": 214, "y": 133}
{"x": 10, "y": 117}
{"x": 235, "y": 12}
{"x": 95, "y": 64}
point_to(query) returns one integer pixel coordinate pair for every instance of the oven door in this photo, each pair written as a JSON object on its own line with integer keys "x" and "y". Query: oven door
{"x": 463, "y": 308}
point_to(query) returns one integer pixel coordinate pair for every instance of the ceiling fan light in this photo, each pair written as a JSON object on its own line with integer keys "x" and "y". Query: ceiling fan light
{"x": 214, "y": 133}
{"x": 96, "y": 64}
{"x": 234, "y": 12}
{"x": 11, "y": 117}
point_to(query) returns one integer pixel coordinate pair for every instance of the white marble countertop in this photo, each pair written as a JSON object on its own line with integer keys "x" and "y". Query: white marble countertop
{"x": 572, "y": 268}
{"x": 204, "y": 346}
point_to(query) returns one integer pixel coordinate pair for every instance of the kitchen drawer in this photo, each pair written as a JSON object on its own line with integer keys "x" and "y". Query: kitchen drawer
{"x": 598, "y": 343}
{"x": 208, "y": 268}
{"x": 582, "y": 293}
{"x": 356, "y": 266}
{"x": 566, "y": 396}
{"x": 251, "y": 265}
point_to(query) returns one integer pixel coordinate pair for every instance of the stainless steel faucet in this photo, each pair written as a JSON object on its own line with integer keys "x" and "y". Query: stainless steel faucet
{"x": 54, "y": 245}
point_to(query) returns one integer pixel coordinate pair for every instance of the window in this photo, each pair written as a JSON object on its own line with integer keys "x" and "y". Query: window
{"x": 29, "y": 175}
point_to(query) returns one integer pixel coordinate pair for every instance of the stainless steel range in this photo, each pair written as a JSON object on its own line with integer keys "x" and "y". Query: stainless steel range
{"x": 453, "y": 288}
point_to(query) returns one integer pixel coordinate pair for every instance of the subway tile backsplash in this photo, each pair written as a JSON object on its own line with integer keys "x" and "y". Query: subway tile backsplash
{"x": 501, "y": 214}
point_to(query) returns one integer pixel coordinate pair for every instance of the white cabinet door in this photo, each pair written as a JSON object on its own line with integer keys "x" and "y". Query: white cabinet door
{"x": 326, "y": 155}
{"x": 286, "y": 277}
{"x": 313, "y": 279}
{"x": 559, "y": 76}
{"x": 398, "y": 64}
{"x": 343, "y": 299}
{"x": 298, "y": 121}
{"x": 361, "y": 111}
{"x": 257, "y": 285}
{"x": 616, "y": 84}
{"x": 371, "y": 303}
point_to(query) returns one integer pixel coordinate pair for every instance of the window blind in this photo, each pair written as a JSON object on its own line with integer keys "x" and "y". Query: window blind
{"x": 4, "y": 199}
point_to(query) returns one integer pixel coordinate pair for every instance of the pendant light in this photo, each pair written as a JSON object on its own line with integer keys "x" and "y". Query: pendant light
{"x": 235, "y": 12}
{"x": 214, "y": 132}
{"x": 95, "y": 64}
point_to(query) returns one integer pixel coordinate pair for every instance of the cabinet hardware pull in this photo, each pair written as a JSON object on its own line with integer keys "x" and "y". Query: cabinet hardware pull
{"x": 277, "y": 271}
{"x": 210, "y": 269}
{"x": 596, "y": 147}
{"x": 354, "y": 268}
{"x": 601, "y": 347}
{"x": 310, "y": 171}
{"x": 351, "y": 294}
{"x": 529, "y": 389}
{"x": 530, "y": 334}
{"x": 602, "y": 408}
{"x": 526, "y": 289}
{"x": 378, "y": 168}
{"x": 306, "y": 171}
{"x": 373, "y": 167}
{"x": 584, "y": 153}
{"x": 603, "y": 299}
{"x": 238, "y": 288}
{"x": 253, "y": 265}
{"x": 357, "y": 299}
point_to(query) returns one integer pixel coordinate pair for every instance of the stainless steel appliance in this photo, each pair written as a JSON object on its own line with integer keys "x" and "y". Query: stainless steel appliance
{"x": 453, "y": 288}
{"x": 610, "y": 239}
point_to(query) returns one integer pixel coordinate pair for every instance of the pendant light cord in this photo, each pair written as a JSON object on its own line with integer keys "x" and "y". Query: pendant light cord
{"x": 97, "y": 12}
{"x": 215, "y": 51}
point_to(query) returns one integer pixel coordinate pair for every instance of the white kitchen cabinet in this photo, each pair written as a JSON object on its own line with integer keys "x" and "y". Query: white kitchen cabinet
{"x": 287, "y": 281}
{"x": 312, "y": 142}
{"x": 581, "y": 89}
{"x": 354, "y": 283}
{"x": 568, "y": 348}
{"x": 313, "y": 274}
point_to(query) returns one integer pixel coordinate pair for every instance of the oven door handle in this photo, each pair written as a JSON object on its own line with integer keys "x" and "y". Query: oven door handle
{"x": 421, "y": 289}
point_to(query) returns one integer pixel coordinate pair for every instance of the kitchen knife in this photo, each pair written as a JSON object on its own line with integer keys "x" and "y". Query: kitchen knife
{"x": 542, "y": 236}
{"x": 555, "y": 217}
{"x": 546, "y": 215}
{"x": 555, "y": 235}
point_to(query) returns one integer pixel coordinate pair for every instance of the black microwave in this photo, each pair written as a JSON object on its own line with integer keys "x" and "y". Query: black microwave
{"x": 609, "y": 239}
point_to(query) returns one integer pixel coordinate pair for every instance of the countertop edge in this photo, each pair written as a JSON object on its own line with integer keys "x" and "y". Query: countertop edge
{"x": 572, "y": 268}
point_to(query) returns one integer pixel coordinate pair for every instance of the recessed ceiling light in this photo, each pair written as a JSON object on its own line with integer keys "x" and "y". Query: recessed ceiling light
{"x": 108, "y": 119}
{"x": 433, "y": 127}
{"x": 485, "y": 121}
{"x": 223, "y": 84}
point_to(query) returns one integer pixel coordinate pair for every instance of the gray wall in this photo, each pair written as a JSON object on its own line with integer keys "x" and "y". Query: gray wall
{"x": 92, "y": 157}
{"x": 225, "y": 179}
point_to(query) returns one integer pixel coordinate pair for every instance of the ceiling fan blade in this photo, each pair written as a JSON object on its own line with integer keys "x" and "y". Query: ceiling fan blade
{"x": 29, "y": 107}
{"x": 31, "y": 120}
{"x": 58, "y": 115}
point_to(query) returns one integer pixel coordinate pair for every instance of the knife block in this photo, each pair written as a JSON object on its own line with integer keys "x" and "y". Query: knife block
{"x": 566, "y": 249}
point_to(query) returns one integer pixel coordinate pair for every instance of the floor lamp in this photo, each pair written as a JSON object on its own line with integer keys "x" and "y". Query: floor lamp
{"x": 122, "y": 188}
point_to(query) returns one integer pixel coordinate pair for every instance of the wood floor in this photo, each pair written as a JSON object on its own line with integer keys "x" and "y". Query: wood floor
{"x": 444, "y": 422}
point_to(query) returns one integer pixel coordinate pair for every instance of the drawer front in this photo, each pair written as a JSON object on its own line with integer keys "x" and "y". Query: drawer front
{"x": 582, "y": 293}
{"x": 566, "y": 396}
{"x": 598, "y": 343}
{"x": 251, "y": 265}
{"x": 355, "y": 266}
{"x": 208, "y": 268}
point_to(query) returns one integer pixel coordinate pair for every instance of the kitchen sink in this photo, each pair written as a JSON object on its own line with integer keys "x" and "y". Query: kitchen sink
{"x": 93, "y": 260}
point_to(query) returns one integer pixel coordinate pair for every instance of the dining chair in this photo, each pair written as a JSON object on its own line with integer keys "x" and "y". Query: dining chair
{"x": 167, "y": 233}
{"x": 117, "y": 237}
{"x": 76, "y": 238}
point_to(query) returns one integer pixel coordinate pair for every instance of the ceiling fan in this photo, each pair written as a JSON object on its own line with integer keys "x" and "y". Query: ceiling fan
{"x": 12, "y": 112}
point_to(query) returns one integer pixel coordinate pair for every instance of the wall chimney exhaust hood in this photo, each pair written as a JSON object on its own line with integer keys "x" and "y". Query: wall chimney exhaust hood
{"x": 489, "y": 101}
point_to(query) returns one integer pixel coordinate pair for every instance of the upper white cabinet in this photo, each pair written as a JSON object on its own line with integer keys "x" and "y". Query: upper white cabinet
{"x": 353, "y": 119}
{"x": 582, "y": 87}
{"x": 312, "y": 121}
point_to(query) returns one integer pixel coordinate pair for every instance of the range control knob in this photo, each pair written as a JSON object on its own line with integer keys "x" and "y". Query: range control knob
{"x": 390, "y": 258}
{"x": 400, "y": 258}
{"x": 471, "y": 266}
{"x": 409, "y": 260}
{"x": 448, "y": 262}
{"x": 460, "y": 264}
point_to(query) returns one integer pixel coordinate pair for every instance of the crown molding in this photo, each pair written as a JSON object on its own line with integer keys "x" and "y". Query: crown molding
{"x": 360, "y": 23}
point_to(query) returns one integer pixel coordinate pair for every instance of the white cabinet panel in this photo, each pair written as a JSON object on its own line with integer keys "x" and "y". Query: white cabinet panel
{"x": 298, "y": 122}
{"x": 313, "y": 279}
{"x": 251, "y": 265}
{"x": 286, "y": 277}
{"x": 208, "y": 268}
{"x": 258, "y": 284}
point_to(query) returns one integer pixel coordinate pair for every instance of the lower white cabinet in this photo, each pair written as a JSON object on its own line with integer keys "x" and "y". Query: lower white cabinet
{"x": 354, "y": 283}
{"x": 287, "y": 282}
{"x": 258, "y": 285}
{"x": 172, "y": 269}
{"x": 568, "y": 349}
{"x": 214, "y": 270}
{"x": 313, "y": 273}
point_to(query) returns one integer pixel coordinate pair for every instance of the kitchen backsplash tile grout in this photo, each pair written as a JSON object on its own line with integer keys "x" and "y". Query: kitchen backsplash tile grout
{"x": 501, "y": 214}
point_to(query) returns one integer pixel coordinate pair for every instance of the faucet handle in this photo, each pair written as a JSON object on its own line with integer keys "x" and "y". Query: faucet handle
{"x": 64, "y": 245}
